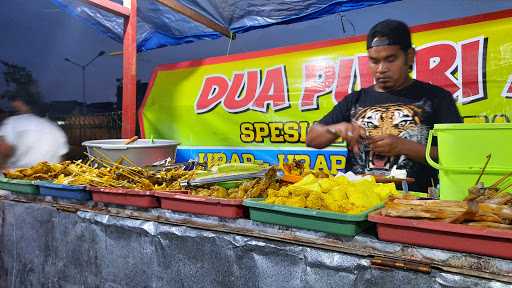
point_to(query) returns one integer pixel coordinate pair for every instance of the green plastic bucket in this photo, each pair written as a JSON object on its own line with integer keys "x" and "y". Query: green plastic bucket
{"x": 463, "y": 149}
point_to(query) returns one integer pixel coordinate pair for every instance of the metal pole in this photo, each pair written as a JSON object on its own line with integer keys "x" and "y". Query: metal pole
{"x": 84, "y": 67}
{"x": 129, "y": 114}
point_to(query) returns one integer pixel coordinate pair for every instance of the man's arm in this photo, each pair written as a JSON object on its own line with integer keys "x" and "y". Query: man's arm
{"x": 389, "y": 145}
{"x": 331, "y": 126}
{"x": 319, "y": 136}
{"x": 416, "y": 151}
{"x": 6, "y": 152}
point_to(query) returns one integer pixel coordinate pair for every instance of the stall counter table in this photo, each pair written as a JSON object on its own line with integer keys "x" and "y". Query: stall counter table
{"x": 44, "y": 243}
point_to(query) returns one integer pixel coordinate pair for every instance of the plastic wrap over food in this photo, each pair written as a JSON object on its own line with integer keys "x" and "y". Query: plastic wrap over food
{"x": 41, "y": 246}
{"x": 159, "y": 26}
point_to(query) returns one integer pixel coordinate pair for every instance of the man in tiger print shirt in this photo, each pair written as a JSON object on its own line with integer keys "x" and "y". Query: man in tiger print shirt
{"x": 387, "y": 124}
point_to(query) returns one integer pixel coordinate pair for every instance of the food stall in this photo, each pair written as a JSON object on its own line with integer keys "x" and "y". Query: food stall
{"x": 277, "y": 219}
{"x": 126, "y": 233}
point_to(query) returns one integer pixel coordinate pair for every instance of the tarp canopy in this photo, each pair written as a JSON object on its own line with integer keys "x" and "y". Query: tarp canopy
{"x": 158, "y": 26}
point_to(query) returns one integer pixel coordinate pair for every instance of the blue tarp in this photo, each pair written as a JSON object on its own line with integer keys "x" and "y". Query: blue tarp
{"x": 159, "y": 26}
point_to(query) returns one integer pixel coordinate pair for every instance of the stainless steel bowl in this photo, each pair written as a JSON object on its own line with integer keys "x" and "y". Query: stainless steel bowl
{"x": 142, "y": 152}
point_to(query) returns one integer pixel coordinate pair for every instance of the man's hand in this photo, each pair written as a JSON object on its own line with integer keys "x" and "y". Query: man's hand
{"x": 351, "y": 133}
{"x": 320, "y": 136}
{"x": 390, "y": 145}
{"x": 6, "y": 152}
{"x": 386, "y": 145}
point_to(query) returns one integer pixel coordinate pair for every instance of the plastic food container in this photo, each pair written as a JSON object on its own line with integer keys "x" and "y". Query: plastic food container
{"x": 74, "y": 192}
{"x": 455, "y": 237}
{"x": 462, "y": 152}
{"x": 227, "y": 208}
{"x": 311, "y": 219}
{"x": 136, "y": 198}
{"x": 19, "y": 186}
{"x": 141, "y": 152}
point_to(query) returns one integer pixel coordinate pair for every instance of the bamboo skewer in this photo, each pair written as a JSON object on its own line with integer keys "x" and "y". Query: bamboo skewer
{"x": 123, "y": 169}
{"x": 483, "y": 169}
{"x": 499, "y": 181}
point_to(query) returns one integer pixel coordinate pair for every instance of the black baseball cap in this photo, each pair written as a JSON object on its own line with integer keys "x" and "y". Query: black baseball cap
{"x": 389, "y": 32}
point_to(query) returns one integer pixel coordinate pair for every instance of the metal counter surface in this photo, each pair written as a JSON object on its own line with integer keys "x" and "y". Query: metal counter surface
{"x": 48, "y": 243}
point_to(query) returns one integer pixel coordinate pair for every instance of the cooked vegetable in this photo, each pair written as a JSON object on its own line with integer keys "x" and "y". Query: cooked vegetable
{"x": 333, "y": 194}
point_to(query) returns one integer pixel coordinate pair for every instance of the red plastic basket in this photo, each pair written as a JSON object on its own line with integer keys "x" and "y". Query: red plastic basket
{"x": 137, "y": 198}
{"x": 227, "y": 208}
{"x": 455, "y": 237}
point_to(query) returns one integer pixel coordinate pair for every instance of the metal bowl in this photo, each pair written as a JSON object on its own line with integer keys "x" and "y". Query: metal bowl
{"x": 142, "y": 152}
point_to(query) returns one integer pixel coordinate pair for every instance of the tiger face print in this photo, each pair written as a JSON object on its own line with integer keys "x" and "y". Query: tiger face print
{"x": 389, "y": 119}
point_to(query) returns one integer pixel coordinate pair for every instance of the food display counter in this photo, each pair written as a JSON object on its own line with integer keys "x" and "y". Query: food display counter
{"x": 60, "y": 243}
{"x": 244, "y": 224}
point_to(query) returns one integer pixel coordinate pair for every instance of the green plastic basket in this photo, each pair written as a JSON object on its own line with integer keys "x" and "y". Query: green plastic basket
{"x": 19, "y": 186}
{"x": 462, "y": 152}
{"x": 311, "y": 219}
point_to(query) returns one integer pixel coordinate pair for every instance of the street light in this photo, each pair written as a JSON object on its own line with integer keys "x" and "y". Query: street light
{"x": 83, "y": 67}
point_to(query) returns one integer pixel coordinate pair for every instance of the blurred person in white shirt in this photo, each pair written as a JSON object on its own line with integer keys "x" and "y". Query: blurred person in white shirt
{"x": 27, "y": 139}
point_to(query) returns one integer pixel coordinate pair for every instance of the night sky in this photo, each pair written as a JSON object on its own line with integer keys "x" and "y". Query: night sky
{"x": 37, "y": 35}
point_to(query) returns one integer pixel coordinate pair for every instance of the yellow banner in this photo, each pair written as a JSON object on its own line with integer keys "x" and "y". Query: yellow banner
{"x": 271, "y": 97}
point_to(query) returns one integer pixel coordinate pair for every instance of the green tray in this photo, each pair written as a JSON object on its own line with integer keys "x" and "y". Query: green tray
{"x": 311, "y": 219}
{"x": 19, "y": 186}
